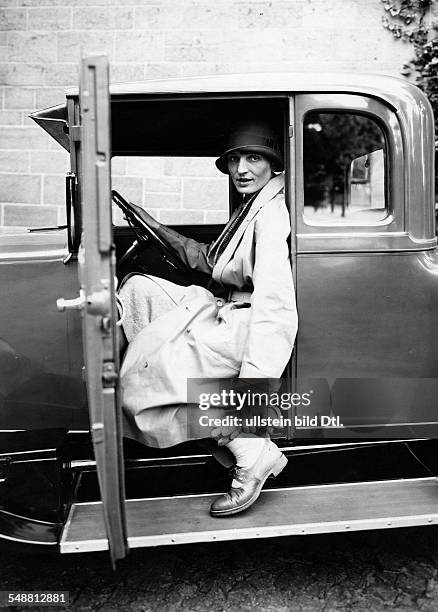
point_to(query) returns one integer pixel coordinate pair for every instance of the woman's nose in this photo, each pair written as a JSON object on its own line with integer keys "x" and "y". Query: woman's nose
{"x": 242, "y": 166}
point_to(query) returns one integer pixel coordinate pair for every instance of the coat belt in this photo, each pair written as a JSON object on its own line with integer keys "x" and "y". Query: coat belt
{"x": 240, "y": 296}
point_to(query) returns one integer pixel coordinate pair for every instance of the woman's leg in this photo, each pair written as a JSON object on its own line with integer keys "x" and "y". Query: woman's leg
{"x": 144, "y": 299}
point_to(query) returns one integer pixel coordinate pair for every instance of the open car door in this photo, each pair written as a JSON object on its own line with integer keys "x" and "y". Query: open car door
{"x": 97, "y": 273}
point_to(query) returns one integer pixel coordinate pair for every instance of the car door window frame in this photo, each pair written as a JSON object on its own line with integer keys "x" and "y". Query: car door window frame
{"x": 388, "y": 233}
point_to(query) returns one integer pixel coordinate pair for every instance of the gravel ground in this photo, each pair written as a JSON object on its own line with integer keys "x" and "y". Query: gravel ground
{"x": 375, "y": 570}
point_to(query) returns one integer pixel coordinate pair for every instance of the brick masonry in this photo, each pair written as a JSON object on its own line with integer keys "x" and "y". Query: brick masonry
{"x": 41, "y": 42}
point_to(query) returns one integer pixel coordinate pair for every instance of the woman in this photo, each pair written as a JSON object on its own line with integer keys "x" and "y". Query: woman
{"x": 179, "y": 333}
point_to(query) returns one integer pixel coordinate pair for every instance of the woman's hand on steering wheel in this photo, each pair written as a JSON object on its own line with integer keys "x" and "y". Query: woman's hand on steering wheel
{"x": 145, "y": 227}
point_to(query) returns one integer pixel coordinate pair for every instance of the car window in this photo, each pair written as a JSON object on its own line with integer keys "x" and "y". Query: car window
{"x": 175, "y": 190}
{"x": 344, "y": 157}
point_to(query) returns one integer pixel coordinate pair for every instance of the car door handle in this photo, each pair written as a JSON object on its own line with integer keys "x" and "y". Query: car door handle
{"x": 74, "y": 304}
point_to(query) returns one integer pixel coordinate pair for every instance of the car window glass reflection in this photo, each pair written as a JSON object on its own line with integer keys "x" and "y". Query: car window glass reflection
{"x": 344, "y": 170}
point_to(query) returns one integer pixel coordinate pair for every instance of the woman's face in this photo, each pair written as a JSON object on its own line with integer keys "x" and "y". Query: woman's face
{"x": 249, "y": 171}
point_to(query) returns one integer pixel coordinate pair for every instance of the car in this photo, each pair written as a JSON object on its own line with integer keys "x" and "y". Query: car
{"x": 359, "y": 169}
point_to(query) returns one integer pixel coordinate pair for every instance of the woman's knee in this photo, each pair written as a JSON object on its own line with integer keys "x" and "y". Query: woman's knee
{"x": 138, "y": 287}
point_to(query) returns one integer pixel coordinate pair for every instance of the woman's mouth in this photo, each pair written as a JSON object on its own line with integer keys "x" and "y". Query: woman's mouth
{"x": 243, "y": 181}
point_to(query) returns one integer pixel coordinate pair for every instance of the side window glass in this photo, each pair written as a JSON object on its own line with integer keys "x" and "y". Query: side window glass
{"x": 345, "y": 178}
{"x": 175, "y": 190}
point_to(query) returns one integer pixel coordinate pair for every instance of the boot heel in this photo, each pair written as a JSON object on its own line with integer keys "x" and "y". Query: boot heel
{"x": 279, "y": 466}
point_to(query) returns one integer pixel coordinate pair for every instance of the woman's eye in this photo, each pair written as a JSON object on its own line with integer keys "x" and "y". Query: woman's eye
{"x": 254, "y": 158}
{"x": 232, "y": 159}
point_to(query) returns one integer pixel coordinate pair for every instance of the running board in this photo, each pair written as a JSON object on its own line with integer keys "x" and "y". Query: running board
{"x": 278, "y": 512}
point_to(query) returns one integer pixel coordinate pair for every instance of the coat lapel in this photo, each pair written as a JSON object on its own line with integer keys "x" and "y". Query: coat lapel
{"x": 271, "y": 189}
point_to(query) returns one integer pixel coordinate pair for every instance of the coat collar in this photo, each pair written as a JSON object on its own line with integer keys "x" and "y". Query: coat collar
{"x": 269, "y": 191}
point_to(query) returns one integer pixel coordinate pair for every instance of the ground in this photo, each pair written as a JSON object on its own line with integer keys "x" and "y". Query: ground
{"x": 375, "y": 570}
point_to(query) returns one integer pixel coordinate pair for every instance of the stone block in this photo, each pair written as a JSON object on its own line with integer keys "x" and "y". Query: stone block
{"x": 8, "y": 117}
{"x": 204, "y": 193}
{"x": 30, "y": 216}
{"x": 20, "y": 188}
{"x": 192, "y": 166}
{"x": 146, "y": 45}
{"x": 162, "y": 200}
{"x": 152, "y": 16}
{"x": 62, "y": 216}
{"x": 184, "y": 17}
{"x": 162, "y": 185}
{"x": 276, "y": 15}
{"x": 118, "y": 166}
{"x": 49, "y": 96}
{"x": 201, "y": 68}
{"x": 219, "y": 37}
{"x": 22, "y": 74}
{"x": 19, "y": 97}
{"x": 321, "y": 14}
{"x": 181, "y": 217}
{"x": 161, "y": 70}
{"x": 62, "y": 74}
{"x": 217, "y": 216}
{"x": 203, "y": 45}
{"x": 12, "y": 19}
{"x": 23, "y": 138}
{"x": 144, "y": 166}
{"x": 14, "y": 161}
{"x": 31, "y": 47}
{"x": 102, "y": 18}
{"x": 125, "y": 73}
{"x": 26, "y": 120}
{"x": 46, "y": 2}
{"x": 87, "y": 2}
{"x": 53, "y": 189}
{"x": 190, "y": 51}
{"x": 52, "y": 162}
{"x": 266, "y": 45}
{"x": 73, "y": 45}
{"x": 55, "y": 146}
{"x": 129, "y": 187}
{"x": 49, "y": 19}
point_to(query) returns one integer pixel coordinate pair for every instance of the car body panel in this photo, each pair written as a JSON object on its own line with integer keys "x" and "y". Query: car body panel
{"x": 40, "y": 350}
{"x": 373, "y": 354}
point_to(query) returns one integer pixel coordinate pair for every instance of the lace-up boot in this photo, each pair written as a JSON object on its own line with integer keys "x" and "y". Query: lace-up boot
{"x": 248, "y": 482}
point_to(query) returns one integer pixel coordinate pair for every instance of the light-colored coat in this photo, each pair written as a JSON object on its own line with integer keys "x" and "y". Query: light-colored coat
{"x": 200, "y": 339}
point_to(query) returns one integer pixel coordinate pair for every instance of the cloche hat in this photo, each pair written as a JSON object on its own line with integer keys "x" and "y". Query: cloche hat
{"x": 253, "y": 136}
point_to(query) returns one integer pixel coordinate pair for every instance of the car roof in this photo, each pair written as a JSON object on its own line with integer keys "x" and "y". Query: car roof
{"x": 385, "y": 86}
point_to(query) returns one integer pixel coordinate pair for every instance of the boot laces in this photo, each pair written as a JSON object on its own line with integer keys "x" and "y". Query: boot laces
{"x": 238, "y": 474}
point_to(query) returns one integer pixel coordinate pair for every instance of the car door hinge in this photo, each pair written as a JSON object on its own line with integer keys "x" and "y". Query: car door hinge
{"x": 291, "y": 131}
{"x": 109, "y": 374}
{"x": 76, "y": 133}
{"x": 98, "y": 433}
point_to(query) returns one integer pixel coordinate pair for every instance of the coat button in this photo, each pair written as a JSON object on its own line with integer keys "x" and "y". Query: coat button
{"x": 189, "y": 329}
{"x": 145, "y": 365}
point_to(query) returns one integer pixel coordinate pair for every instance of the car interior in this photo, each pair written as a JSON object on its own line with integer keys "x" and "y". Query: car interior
{"x": 183, "y": 128}
{"x": 180, "y": 128}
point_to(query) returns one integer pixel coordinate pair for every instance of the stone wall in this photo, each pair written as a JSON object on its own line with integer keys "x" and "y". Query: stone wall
{"x": 41, "y": 42}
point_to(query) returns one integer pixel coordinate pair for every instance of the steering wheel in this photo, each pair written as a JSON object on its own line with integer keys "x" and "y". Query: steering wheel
{"x": 136, "y": 218}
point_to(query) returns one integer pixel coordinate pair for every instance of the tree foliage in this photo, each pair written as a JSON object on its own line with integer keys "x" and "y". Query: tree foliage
{"x": 411, "y": 21}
